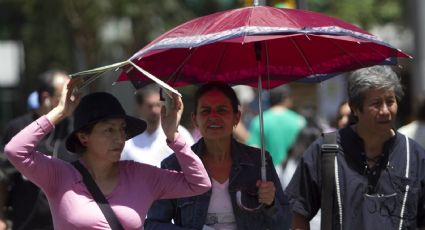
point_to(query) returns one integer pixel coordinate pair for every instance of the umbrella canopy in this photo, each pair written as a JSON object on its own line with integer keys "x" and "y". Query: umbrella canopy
{"x": 238, "y": 46}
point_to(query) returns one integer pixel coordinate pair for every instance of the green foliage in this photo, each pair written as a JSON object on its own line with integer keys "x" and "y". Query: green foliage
{"x": 364, "y": 13}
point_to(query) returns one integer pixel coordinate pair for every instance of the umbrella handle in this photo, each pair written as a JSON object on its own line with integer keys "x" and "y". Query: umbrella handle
{"x": 239, "y": 193}
{"x": 239, "y": 202}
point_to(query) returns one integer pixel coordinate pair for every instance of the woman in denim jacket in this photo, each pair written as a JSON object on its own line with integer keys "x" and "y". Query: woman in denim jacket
{"x": 232, "y": 166}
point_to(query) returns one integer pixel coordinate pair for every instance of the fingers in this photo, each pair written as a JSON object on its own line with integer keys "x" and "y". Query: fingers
{"x": 266, "y": 192}
{"x": 170, "y": 117}
{"x": 177, "y": 102}
{"x": 163, "y": 112}
{"x": 70, "y": 87}
{"x": 72, "y": 94}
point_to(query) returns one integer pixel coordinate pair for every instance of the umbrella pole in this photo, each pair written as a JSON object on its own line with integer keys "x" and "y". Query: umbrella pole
{"x": 262, "y": 144}
{"x": 257, "y": 47}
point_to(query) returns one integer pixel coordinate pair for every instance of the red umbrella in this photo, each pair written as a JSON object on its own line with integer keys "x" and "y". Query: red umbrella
{"x": 256, "y": 46}
{"x": 237, "y": 46}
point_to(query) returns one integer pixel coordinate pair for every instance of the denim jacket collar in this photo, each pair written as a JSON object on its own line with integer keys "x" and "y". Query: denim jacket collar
{"x": 239, "y": 157}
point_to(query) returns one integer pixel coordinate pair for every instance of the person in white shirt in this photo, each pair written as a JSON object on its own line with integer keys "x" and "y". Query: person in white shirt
{"x": 416, "y": 128}
{"x": 150, "y": 147}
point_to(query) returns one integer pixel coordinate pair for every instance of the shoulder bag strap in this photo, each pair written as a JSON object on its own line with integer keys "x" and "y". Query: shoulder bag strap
{"x": 98, "y": 197}
{"x": 329, "y": 149}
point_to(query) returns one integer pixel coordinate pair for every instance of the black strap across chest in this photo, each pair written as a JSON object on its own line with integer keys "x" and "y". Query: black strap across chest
{"x": 329, "y": 149}
{"x": 98, "y": 196}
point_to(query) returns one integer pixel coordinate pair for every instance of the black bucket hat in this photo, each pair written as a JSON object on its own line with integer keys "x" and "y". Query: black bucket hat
{"x": 100, "y": 106}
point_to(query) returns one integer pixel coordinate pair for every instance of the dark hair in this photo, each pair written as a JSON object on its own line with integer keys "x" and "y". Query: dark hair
{"x": 339, "y": 116}
{"x": 221, "y": 87}
{"x": 47, "y": 82}
{"x": 279, "y": 94}
{"x": 305, "y": 137}
{"x": 145, "y": 91}
{"x": 420, "y": 110}
{"x": 80, "y": 148}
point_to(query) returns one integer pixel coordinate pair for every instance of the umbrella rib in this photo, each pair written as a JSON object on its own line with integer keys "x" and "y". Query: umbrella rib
{"x": 214, "y": 73}
{"x": 155, "y": 79}
{"x": 302, "y": 55}
{"x": 267, "y": 64}
{"x": 173, "y": 76}
{"x": 376, "y": 51}
{"x": 349, "y": 54}
{"x": 248, "y": 23}
{"x": 89, "y": 80}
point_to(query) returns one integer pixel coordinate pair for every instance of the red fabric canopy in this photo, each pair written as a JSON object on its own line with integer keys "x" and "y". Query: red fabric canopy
{"x": 238, "y": 46}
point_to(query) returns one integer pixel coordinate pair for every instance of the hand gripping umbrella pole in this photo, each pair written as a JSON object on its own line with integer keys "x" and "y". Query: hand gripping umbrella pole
{"x": 257, "y": 47}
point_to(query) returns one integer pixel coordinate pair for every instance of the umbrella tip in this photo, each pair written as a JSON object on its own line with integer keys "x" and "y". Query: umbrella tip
{"x": 401, "y": 51}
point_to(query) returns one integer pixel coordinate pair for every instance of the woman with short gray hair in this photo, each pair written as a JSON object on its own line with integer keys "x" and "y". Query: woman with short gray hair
{"x": 379, "y": 173}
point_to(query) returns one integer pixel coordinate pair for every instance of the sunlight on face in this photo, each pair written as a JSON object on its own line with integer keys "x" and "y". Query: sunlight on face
{"x": 215, "y": 117}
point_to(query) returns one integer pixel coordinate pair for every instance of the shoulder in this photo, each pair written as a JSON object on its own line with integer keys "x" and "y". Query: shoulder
{"x": 409, "y": 128}
{"x": 255, "y": 122}
{"x": 16, "y": 125}
{"x": 246, "y": 148}
{"x": 24, "y": 120}
{"x": 186, "y": 134}
{"x": 295, "y": 116}
{"x": 292, "y": 113}
{"x": 248, "y": 154}
{"x": 171, "y": 162}
{"x": 413, "y": 144}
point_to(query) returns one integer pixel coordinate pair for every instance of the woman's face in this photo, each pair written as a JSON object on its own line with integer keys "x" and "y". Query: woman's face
{"x": 379, "y": 110}
{"x": 106, "y": 140}
{"x": 343, "y": 115}
{"x": 214, "y": 116}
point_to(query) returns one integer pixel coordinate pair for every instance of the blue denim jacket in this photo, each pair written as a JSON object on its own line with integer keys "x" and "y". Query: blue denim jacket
{"x": 191, "y": 212}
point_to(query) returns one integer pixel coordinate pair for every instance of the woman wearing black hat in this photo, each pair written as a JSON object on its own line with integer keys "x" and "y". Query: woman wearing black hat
{"x": 101, "y": 128}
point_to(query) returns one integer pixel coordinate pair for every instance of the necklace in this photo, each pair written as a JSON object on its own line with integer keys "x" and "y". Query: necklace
{"x": 371, "y": 162}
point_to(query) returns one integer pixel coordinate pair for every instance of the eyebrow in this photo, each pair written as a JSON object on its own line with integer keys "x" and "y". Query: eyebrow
{"x": 218, "y": 106}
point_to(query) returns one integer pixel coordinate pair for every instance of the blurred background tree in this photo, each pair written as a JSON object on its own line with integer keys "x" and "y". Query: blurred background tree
{"x": 364, "y": 13}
